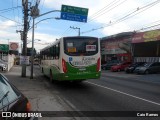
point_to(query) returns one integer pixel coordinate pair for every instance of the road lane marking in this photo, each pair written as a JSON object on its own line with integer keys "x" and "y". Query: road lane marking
{"x": 154, "y": 82}
{"x": 124, "y": 93}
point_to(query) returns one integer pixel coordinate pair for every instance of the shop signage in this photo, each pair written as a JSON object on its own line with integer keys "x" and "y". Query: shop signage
{"x": 148, "y": 36}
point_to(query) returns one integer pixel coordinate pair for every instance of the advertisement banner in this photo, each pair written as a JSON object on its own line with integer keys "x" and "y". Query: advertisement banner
{"x": 24, "y": 60}
{"x": 148, "y": 36}
{"x": 113, "y": 46}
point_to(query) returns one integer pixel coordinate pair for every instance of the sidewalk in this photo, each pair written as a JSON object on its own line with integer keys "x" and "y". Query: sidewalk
{"x": 154, "y": 78}
{"x": 38, "y": 93}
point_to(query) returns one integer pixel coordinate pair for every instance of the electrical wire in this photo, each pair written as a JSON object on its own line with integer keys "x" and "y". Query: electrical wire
{"x": 148, "y": 27}
{"x": 126, "y": 16}
{"x": 13, "y": 11}
{"x": 10, "y": 8}
{"x": 104, "y": 12}
{"x": 42, "y": 4}
{"x": 10, "y": 19}
{"x": 103, "y": 9}
{"x": 18, "y": 14}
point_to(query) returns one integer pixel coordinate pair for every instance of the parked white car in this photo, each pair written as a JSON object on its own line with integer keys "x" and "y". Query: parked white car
{"x": 3, "y": 65}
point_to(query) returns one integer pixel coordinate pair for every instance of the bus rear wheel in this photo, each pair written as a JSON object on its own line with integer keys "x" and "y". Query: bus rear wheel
{"x": 51, "y": 76}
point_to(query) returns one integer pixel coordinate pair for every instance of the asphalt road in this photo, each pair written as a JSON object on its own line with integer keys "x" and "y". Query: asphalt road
{"x": 110, "y": 94}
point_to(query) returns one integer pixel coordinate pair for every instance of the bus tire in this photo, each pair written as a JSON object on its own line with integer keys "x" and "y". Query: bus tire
{"x": 51, "y": 77}
{"x": 42, "y": 70}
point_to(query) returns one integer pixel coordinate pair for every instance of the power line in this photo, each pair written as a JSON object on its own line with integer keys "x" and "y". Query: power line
{"x": 104, "y": 12}
{"x": 18, "y": 13}
{"x": 76, "y": 28}
{"x": 13, "y": 11}
{"x": 126, "y": 16}
{"x": 42, "y": 4}
{"x": 10, "y": 19}
{"x": 12, "y": 25}
{"x": 103, "y": 9}
{"x": 151, "y": 26}
{"x": 9, "y": 9}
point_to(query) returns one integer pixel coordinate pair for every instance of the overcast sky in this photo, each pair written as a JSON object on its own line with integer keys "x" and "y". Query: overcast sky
{"x": 105, "y": 17}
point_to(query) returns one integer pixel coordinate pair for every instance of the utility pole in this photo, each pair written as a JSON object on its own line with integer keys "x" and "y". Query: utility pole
{"x": 76, "y": 28}
{"x": 34, "y": 14}
{"x": 25, "y": 31}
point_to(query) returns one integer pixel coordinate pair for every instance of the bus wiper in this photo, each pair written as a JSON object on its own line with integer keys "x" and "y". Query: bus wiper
{"x": 4, "y": 96}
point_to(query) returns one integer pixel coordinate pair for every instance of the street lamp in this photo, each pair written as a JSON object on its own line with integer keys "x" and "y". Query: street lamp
{"x": 57, "y": 18}
{"x": 34, "y": 17}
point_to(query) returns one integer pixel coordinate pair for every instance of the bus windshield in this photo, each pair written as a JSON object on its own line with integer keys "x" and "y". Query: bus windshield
{"x": 80, "y": 46}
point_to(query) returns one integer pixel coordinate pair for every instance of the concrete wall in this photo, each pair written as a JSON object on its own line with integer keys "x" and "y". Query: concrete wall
{"x": 10, "y": 61}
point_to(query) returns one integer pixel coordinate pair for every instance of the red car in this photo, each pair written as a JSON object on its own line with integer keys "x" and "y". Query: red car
{"x": 120, "y": 66}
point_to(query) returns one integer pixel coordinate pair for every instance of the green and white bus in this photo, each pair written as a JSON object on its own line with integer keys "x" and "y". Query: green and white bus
{"x": 72, "y": 59}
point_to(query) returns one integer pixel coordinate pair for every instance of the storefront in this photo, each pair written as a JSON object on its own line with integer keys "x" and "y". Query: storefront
{"x": 146, "y": 46}
{"x": 116, "y": 47}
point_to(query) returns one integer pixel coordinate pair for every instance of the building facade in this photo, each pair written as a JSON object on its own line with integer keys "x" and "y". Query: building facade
{"x": 116, "y": 47}
{"x": 146, "y": 46}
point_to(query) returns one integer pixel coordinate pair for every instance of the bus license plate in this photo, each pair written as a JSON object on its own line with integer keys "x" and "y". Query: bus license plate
{"x": 82, "y": 69}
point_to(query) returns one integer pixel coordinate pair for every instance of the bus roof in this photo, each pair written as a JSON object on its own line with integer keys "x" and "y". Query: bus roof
{"x": 55, "y": 42}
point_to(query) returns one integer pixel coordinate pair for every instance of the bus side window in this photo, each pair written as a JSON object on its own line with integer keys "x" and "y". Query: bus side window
{"x": 54, "y": 52}
{"x": 51, "y": 53}
{"x": 48, "y": 54}
{"x": 57, "y": 51}
{"x": 45, "y": 56}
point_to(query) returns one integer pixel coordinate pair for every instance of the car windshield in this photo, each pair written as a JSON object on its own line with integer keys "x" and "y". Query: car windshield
{"x": 7, "y": 93}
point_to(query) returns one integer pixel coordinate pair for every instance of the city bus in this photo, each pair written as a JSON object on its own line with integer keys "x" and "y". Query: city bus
{"x": 75, "y": 59}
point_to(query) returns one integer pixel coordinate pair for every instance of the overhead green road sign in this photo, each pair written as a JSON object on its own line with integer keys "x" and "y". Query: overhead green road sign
{"x": 74, "y": 10}
{"x": 4, "y": 47}
{"x": 74, "y": 13}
